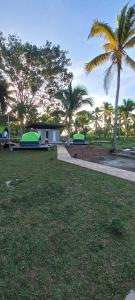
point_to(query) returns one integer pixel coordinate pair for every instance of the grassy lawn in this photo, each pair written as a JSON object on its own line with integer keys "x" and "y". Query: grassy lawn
{"x": 58, "y": 240}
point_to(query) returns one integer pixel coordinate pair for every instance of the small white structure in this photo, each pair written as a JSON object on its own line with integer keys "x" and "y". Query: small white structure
{"x": 130, "y": 296}
{"x": 50, "y": 133}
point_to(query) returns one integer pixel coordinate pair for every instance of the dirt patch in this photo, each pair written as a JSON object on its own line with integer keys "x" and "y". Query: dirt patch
{"x": 90, "y": 153}
{"x": 102, "y": 156}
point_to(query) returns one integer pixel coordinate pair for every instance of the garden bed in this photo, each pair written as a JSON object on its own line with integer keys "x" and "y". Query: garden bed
{"x": 87, "y": 152}
{"x": 101, "y": 156}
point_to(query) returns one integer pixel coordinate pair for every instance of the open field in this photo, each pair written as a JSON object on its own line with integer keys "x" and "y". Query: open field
{"x": 66, "y": 232}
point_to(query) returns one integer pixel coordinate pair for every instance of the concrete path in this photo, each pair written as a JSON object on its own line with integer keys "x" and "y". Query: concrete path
{"x": 63, "y": 154}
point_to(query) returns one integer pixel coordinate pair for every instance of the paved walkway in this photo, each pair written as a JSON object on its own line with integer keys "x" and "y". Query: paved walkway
{"x": 63, "y": 154}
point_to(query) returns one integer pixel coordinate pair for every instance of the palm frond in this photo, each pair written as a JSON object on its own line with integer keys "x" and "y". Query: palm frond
{"x": 130, "y": 34}
{"x": 130, "y": 43}
{"x": 85, "y": 112}
{"x": 130, "y": 22}
{"x": 121, "y": 19}
{"x": 107, "y": 78}
{"x": 108, "y": 47}
{"x": 57, "y": 113}
{"x": 102, "y": 29}
{"x": 89, "y": 101}
{"x": 80, "y": 90}
{"x": 98, "y": 60}
{"x": 130, "y": 62}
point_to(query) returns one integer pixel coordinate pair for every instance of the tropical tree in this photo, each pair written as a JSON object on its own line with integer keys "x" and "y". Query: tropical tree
{"x": 107, "y": 110}
{"x": 115, "y": 50}
{"x": 126, "y": 109}
{"x": 72, "y": 99}
{"x": 20, "y": 111}
{"x": 36, "y": 73}
{"x": 6, "y": 95}
{"x": 96, "y": 117}
{"x": 133, "y": 120}
{"x": 82, "y": 120}
{"x": 25, "y": 113}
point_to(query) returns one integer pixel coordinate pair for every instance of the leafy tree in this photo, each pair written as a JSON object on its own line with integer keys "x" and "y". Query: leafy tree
{"x": 25, "y": 113}
{"x": 82, "y": 120}
{"x": 20, "y": 110}
{"x": 72, "y": 99}
{"x": 115, "y": 50}
{"x": 35, "y": 73}
{"x": 54, "y": 65}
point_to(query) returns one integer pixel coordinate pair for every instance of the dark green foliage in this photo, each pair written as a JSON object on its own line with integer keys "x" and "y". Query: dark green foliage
{"x": 71, "y": 100}
{"x": 36, "y": 74}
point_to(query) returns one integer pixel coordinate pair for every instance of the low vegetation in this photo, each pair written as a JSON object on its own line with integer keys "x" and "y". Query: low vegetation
{"x": 66, "y": 232}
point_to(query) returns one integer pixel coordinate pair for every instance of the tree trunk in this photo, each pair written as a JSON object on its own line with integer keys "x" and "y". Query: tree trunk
{"x": 116, "y": 109}
{"x": 119, "y": 116}
{"x": 126, "y": 130}
{"x": 21, "y": 127}
{"x": 69, "y": 126}
{"x": 96, "y": 124}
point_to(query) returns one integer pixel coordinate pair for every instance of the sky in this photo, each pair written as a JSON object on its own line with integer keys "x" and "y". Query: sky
{"x": 67, "y": 23}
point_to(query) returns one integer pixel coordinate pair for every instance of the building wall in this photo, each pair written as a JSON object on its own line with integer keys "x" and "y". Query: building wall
{"x": 53, "y": 135}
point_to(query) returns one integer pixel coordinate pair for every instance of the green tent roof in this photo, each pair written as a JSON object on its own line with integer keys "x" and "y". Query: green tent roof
{"x": 31, "y": 136}
{"x": 2, "y": 128}
{"x": 78, "y": 136}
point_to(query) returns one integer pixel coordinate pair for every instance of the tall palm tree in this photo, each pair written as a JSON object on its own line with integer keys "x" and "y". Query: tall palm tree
{"x": 72, "y": 99}
{"x": 5, "y": 95}
{"x": 115, "y": 50}
{"x": 126, "y": 109}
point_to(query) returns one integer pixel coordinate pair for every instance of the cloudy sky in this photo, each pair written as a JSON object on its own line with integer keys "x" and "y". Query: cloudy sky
{"x": 67, "y": 22}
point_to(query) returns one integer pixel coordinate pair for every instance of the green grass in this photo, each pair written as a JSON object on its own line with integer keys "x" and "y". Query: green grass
{"x": 121, "y": 142}
{"x": 66, "y": 232}
{"x": 120, "y": 145}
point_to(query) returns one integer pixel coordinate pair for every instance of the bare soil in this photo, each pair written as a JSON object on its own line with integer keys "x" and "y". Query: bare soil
{"x": 90, "y": 153}
{"x": 101, "y": 156}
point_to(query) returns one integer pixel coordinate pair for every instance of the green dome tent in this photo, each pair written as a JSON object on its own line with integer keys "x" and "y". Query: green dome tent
{"x": 4, "y": 132}
{"x": 31, "y": 136}
{"x": 2, "y": 128}
{"x": 78, "y": 137}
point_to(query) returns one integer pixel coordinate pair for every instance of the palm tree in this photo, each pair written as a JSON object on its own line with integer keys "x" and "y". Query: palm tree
{"x": 115, "y": 50}
{"x": 72, "y": 99}
{"x": 107, "y": 110}
{"x": 5, "y": 95}
{"x": 96, "y": 117}
{"x": 82, "y": 120}
{"x": 126, "y": 109}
